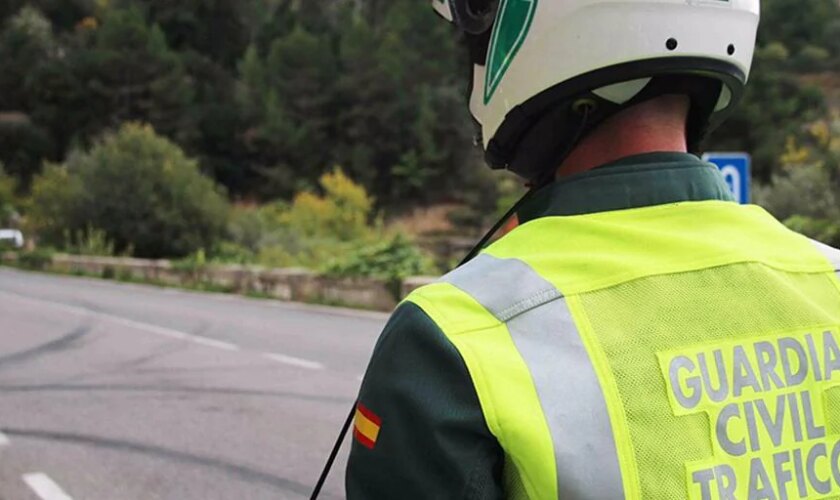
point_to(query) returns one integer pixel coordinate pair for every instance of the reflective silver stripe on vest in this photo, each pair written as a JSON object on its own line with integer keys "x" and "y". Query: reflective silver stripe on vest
{"x": 506, "y": 288}
{"x": 545, "y": 334}
{"x": 832, "y": 254}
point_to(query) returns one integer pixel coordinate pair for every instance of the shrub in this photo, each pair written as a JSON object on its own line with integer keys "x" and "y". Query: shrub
{"x": 228, "y": 252}
{"x": 277, "y": 256}
{"x": 137, "y": 187}
{"x": 109, "y": 273}
{"x": 806, "y": 200}
{"x": 806, "y": 190}
{"x": 311, "y": 230}
{"x": 825, "y": 230}
{"x": 773, "y": 52}
{"x": 248, "y": 226}
{"x": 811, "y": 58}
{"x": 392, "y": 260}
{"x": 91, "y": 241}
{"x": 37, "y": 260}
{"x": 341, "y": 213}
{"x": 193, "y": 264}
{"x": 288, "y": 248}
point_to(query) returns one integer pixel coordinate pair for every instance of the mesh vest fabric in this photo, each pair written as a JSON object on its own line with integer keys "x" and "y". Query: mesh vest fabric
{"x": 632, "y": 322}
{"x": 645, "y": 286}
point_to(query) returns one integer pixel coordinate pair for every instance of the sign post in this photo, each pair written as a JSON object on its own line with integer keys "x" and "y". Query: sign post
{"x": 735, "y": 168}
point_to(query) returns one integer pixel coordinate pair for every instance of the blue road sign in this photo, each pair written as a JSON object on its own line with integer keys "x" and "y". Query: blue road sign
{"x": 735, "y": 168}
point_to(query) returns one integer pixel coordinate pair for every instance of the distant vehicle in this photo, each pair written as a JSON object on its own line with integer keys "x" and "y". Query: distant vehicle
{"x": 11, "y": 237}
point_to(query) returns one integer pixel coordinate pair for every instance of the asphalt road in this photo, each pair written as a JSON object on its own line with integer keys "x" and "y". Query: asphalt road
{"x": 112, "y": 391}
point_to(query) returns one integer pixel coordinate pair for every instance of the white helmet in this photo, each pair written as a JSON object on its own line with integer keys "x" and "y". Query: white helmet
{"x": 545, "y": 72}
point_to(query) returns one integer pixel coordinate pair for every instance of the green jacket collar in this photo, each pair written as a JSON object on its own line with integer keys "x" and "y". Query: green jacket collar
{"x": 633, "y": 182}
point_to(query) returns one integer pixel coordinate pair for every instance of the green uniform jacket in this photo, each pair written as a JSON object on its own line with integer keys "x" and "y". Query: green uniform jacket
{"x": 432, "y": 441}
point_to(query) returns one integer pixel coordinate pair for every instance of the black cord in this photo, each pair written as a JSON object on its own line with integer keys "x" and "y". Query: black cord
{"x": 470, "y": 256}
{"x": 333, "y": 454}
{"x": 538, "y": 184}
{"x": 495, "y": 229}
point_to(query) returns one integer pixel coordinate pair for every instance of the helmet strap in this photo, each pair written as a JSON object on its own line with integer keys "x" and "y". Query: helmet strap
{"x": 534, "y": 186}
{"x": 544, "y": 146}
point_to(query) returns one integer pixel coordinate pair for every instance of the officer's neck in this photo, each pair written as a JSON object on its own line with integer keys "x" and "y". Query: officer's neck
{"x": 652, "y": 126}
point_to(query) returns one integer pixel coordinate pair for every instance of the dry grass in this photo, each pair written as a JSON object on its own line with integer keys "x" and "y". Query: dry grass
{"x": 426, "y": 220}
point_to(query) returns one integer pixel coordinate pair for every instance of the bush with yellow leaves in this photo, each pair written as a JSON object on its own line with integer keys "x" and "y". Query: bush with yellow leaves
{"x": 334, "y": 230}
{"x": 342, "y": 213}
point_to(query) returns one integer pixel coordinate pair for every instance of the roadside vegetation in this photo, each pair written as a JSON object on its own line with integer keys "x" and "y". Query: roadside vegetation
{"x": 286, "y": 133}
{"x": 136, "y": 194}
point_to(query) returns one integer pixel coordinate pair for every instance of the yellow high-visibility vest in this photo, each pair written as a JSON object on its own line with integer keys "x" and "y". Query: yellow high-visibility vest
{"x": 680, "y": 351}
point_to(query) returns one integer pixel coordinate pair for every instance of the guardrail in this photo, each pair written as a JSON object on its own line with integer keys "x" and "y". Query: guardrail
{"x": 298, "y": 285}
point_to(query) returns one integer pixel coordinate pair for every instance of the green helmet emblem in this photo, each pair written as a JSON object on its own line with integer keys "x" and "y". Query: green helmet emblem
{"x": 512, "y": 26}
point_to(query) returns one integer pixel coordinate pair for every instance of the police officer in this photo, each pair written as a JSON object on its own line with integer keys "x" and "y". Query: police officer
{"x": 639, "y": 335}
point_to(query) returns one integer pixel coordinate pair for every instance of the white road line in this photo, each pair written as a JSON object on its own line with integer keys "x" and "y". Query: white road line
{"x": 218, "y": 344}
{"x": 4, "y": 441}
{"x": 158, "y": 330}
{"x": 290, "y": 360}
{"x": 45, "y": 487}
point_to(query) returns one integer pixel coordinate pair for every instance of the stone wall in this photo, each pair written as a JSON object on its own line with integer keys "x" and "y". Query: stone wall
{"x": 299, "y": 285}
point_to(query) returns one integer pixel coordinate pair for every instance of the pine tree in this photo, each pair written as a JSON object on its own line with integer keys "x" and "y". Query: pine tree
{"x": 133, "y": 75}
{"x": 290, "y": 96}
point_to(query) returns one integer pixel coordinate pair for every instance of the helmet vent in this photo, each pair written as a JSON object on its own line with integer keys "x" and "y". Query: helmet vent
{"x": 731, "y": 49}
{"x": 671, "y": 44}
{"x": 584, "y": 106}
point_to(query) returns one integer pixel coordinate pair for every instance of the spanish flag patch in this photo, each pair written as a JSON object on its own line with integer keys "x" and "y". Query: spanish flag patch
{"x": 366, "y": 426}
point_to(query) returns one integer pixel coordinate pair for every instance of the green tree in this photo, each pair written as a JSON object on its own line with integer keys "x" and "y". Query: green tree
{"x": 104, "y": 73}
{"x": 137, "y": 187}
{"x": 23, "y": 146}
{"x": 777, "y": 105}
{"x": 132, "y": 74}
{"x": 213, "y": 28}
{"x": 8, "y": 202}
{"x": 26, "y": 39}
{"x": 366, "y": 116}
{"x": 403, "y": 124}
{"x": 267, "y": 95}
{"x": 217, "y": 120}
{"x": 289, "y": 95}
{"x": 797, "y": 24}
{"x": 64, "y": 14}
